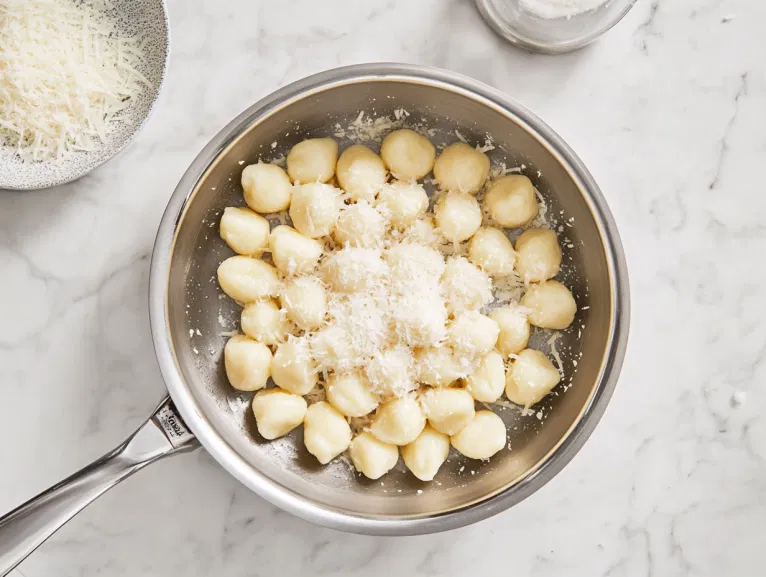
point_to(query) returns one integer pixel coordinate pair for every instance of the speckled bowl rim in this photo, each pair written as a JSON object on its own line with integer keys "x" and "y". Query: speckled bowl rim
{"x": 137, "y": 127}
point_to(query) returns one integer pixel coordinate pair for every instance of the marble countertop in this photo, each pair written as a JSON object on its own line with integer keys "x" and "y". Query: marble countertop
{"x": 668, "y": 110}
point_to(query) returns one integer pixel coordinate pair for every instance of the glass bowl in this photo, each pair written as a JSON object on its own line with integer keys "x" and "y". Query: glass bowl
{"x": 549, "y": 26}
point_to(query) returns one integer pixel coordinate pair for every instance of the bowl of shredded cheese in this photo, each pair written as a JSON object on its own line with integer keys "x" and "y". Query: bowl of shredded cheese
{"x": 78, "y": 80}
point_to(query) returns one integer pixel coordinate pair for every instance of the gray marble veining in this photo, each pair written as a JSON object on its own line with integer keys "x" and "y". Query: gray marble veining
{"x": 668, "y": 112}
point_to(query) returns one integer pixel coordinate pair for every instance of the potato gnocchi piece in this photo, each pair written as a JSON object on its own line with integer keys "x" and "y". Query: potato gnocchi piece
{"x": 426, "y": 454}
{"x": 458, "y": 215}
{"x": 448, "y": 410}
{"x": 419, "y": 319}
{"x": 332, "y": 348}
{"x": 403, "y": 202}
{"x": 514, "y": 329}
{"x": 312, "y": 160}
{"x": 391, "y": 372}
{"x": 407, "y": 154}
{"x": 465, "y": 286}
{"x": 277, "y": 412}
{"x": 483, "y": 437}
{"x": 530, "y": 377}
{"x": 305, "y": 302}
{"x": 352, "y": 269}
{"x": 410, "y": 262}
{"x": 361, "y": 172}
{"x": 398, "y": 422}
{"x": 360, "y": 225}
{"x": 266, "y": 187}
{"x": 247, "y": 279}
{"x": 265, "y": 322}
{"x": 438, "y": 366}
{"x": 292, "y": 252}
{"x": 293, "y": 368}
{"x": 472, "y": 333}
{"x": 539, "y": 255}
{"x": 487, "y": 382}
{"x": 314, "y": 209}
{"x": 372, "y": 457}
{"x": 511, "y": 200}
{"x": 351, "y": 394}
{"x": 245, "y": 231}
{"x": 492, "y": 252}
{"x": 326, "y": 433}
{"x": 551, "y": 305}
{"x": 247, "y": 362}
{"x": 423, "y": 232}
{"x": 461, "y": 168}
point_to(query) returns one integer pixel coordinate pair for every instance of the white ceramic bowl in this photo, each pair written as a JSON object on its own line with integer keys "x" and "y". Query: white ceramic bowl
{"x": 147, "y": 19}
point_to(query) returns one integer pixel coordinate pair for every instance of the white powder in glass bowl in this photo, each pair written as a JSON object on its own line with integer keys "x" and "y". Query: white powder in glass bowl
{"x": 553, "y": 9}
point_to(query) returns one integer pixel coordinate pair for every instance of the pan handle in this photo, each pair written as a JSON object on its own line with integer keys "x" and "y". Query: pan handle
{"x": 28, "y": 526}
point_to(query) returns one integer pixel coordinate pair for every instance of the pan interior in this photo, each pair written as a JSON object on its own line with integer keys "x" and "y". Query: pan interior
{"x": 201, "y": 318}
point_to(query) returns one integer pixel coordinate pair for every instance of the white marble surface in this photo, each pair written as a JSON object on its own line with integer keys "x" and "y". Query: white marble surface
{"x": 668, "y": 111}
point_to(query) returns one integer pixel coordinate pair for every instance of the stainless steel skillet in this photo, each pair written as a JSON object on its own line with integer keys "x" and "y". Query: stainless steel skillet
{"x": 187, "y": 317}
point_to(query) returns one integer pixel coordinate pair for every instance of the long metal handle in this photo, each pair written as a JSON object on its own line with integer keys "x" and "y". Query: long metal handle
{"x": 28, "y": 526}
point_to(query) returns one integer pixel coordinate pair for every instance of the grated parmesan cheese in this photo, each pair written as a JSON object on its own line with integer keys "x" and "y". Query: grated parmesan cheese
{"x": 66, "y": 75}
{"x": 555, "y": 353}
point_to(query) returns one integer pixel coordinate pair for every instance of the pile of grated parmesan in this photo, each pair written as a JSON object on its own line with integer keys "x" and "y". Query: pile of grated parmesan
{"x": 66, "y": 75}
{"x": 394, "y": 326}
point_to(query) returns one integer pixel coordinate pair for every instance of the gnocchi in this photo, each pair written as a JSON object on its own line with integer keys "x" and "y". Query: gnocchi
{"x": 458, "y": 216}
{"x": 351, "y": 394}
{"x": 426, "y": 454}
{"x": 492, "y": 252}
{"x": 448, "y": 410}
{"x": 403, "y": 202}
{"x": 409, "y": 261}
{"x": 391, "y": 372}
{"x": 461, "y": 168}
{"x": 264, "y": 321}
{"x": 361, "y": 172}
{"x": 293, "y": 368}
{"x": 399, "y": 421}
{"x": 292, "y": 252}
{"x": 304, "y": 300}
{"x": 247, "y": 279}
{"x": 266, "y": 187}
{"x": 353, "y": 269}
{"x": 326, "y": 433}
{"x": 539, "y": 255}
{"x": 472, "y": 334}
{"x": 514, "y": 329}
{"x": 247, "y": 362}
{"x": 483, "y": 437}
{"x": 530, "y": 377}
{"x": 466, "y": 287}
{"x": 551, "y": 305}
{"x": 511, "y": 200}
{"x": 371, "y": 457}
{"x": 407, "y": 154}
{"x": 245, "y": 231}
{"x": 373, "y": 293}
{"x": 277, "y": 412}
{"x": 312, "y": 160}
{"x": 487, "y": 382}
{"x": 360, "y": 225}
{"x": 314, "y": 209}
{"x": 419, "y": 319}
{"x": 438, "y": 366}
